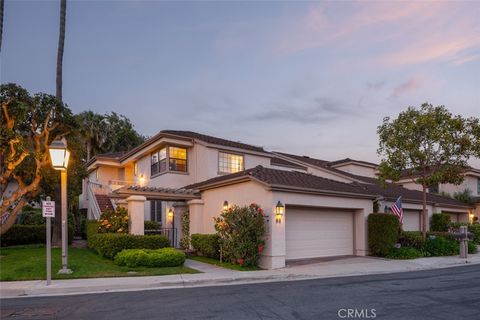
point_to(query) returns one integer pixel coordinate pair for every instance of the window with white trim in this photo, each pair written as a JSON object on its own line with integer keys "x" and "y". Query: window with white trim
{"x": 175, "y": 157}
{"x": 229, "y": 162}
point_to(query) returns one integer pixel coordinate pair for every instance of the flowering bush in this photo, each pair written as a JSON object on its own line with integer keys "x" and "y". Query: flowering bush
{"x": 113, "y": 221}
{"x": 241, "y": 231}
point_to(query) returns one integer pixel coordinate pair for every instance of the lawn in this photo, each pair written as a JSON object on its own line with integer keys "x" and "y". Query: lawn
{"x": 227, "y": 265}
{"x": 28, "y": 263}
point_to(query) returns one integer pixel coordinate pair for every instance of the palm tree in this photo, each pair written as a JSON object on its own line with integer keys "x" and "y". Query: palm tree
{"x": 61, "y": 42}
{"x": 1, "y": 23}
{"x": 92, "y": 129}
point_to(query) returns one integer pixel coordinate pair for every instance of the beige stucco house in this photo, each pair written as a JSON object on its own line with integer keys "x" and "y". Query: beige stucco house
{"x": 326, "y": 203}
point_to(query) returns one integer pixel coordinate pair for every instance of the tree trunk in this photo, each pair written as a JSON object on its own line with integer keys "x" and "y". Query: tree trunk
{"x": 1, "y": 22}
{"x": 424, "y": 211}
{"x": 61, "y": 42}
{"x": 57, "y": 225}
{"x": 89, "y": 149}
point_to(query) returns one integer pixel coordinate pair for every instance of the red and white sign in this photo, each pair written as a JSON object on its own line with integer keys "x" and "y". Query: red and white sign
{"x": 48, "y": 209}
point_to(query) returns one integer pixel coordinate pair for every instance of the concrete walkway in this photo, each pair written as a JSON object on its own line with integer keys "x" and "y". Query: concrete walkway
{"x": 213, "y": 276}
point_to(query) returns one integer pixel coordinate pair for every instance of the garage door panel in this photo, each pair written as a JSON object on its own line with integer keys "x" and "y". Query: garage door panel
{"x": 411, "y": 220}
{"x": 318, "y": 233}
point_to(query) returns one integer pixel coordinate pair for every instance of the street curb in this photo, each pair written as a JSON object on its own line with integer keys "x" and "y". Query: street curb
{"x": 38, "y": 289}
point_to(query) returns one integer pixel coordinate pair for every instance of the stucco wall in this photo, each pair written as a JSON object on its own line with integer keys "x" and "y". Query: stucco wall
{"x": 359, "y": 170}
{"x": 470, "y": 182}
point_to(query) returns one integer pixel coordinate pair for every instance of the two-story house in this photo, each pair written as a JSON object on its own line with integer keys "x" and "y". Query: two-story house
{"x": 326, "y": 203}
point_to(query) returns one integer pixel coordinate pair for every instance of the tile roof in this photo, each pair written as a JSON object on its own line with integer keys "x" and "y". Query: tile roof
{"x": 275, "y": 177}
{"x": 306, "y": 159}
{"x": 214, "y": 140}
{"x": 346, "y": 160}
{"x": 367, "y": 187}
{"x": 285, "y": 163}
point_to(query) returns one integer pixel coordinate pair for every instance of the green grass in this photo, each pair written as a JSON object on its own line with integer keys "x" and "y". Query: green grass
{"x": 227, "y": 265}
{"x": 29, "y": 263}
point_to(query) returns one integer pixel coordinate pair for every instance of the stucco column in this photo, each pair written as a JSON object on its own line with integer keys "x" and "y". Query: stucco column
{"x": 195, "y": 207}
{"x": 179, "y": 208}
{"x": 274, "y": 255}
{"x": 136, "y": 208}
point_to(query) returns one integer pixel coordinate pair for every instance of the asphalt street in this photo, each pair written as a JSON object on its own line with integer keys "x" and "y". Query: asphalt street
{"x": 452, "y": 293}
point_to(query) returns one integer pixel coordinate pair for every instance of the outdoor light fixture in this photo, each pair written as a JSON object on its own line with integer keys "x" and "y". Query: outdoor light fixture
{"x": 142, "y": 180}
{"x": 225, "y": 205}
{"x": 59, "y": 154}
{"x": 279, "y": 212}
{"x": 471, "y": 216}
{"x": 170, "y": 214}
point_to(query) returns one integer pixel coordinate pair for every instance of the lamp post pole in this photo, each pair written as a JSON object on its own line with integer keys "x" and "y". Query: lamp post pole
{"x": 63, "y": 178}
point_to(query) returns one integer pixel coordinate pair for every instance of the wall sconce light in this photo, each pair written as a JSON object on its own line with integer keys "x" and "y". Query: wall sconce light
{"x": 142, "y": 180}
{"x": 225, "y": 205}
{"x": 279, "y": 212}
{"x": 471, "y": 216}
{"x": 170, "y": 214}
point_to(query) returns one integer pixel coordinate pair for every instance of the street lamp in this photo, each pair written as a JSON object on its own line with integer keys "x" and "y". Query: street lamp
{"x": 59, "y": 155}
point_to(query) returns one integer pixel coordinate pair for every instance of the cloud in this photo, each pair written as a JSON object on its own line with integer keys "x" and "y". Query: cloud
{"x": 318, "y": 110}
{"x": 410, "y": 85}
{"x": 375, "y": 86}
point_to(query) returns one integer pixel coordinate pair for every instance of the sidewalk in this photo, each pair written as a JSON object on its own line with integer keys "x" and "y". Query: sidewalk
{"x": 213, "y": 276}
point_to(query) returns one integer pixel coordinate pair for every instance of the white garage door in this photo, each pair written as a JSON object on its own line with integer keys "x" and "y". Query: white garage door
{"x": 411, "y": 220}
{"x": 312, "y": 233}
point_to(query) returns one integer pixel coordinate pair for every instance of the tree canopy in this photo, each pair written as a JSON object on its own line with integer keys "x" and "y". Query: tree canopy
{"x": 428, "y": 145}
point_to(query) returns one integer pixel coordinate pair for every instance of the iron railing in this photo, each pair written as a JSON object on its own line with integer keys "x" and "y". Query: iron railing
{"x": 170, "y": 233}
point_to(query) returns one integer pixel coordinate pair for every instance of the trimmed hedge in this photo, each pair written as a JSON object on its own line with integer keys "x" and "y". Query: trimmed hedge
{"x": 21, "y": 234}
{"x": 475, "y": 230}
{"x": 166, "y": 257}
{"x": 109, "y": 244}
{"x": 440, "y": 222}
{"x": 472, "y": 247}
{"x": 24, "y": 234}
{"x": 383, "y": 232}
{"x": 404, "y": 253}
{"x": 208, "y": 245}
{"x": 151, "y": 225}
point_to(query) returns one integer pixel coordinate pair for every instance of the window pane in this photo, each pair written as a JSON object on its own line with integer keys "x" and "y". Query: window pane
{"x": 163, "y": 165}
{"x": 178, "y": 165}
{"x": 154, "y": 158}
{"x": 162, "y": 153}
{"x": 178, "y": 153}
{"x": 154, "y": 169}
{"x": 230, "y": 163}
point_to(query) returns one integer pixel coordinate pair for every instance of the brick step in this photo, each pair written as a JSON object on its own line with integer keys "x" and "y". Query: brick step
{"x": 104, "y": 202}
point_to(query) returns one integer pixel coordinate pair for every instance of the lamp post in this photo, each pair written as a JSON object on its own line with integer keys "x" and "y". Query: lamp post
{"x": 59, "y": 156}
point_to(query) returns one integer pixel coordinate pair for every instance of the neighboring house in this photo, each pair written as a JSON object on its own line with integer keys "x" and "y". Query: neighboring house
{"x": 471, "y": 182}
{"x": 327, "y": 203}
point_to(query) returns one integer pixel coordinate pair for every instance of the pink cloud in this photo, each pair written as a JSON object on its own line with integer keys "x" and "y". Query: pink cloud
{"x": 411, "y": 84}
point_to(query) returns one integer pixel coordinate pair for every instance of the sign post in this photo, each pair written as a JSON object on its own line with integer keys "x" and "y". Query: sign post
{"x": 48, "y": 211}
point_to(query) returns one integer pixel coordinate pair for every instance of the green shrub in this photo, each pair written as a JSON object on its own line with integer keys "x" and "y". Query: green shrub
{"x": 412, "y": 239}
{"x": 151, "y": 225}
{"x": 472, "y": 247}
{"x": 404, "y": 253}
{"x": 440, "y": 246}
{"x": 241, "y": 231}
{"x": 24, "y": 234}
{"x": 208, "y": 245}
{"x": 109, "y": 244}
{"x": 440, "y": 222}
{"x": 475, "y": 230}
{"x": 185, "y": 239}
{"x": 31, "y": 216}
{"x": 114, "y": 221}
{"x": 166, "y": 257}
{"x": 446, "y": 235}
{"x": 383, "y": 232}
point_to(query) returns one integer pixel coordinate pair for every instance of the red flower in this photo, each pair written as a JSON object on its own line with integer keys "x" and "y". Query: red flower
{"x": 260, "y": 248}
{"x": 240, "y": 261}
{"x": 260, "y": 210}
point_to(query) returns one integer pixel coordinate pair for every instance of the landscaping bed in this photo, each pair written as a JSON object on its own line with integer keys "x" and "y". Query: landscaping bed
{"x": 226, "y": 265}
{"x": 29, "y": 263}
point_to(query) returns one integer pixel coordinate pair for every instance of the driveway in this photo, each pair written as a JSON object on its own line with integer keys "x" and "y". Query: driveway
{"x": 450, "y": 293}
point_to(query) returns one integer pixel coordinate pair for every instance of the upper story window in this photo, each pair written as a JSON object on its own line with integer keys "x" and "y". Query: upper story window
{"x": 175, "y": 157}
{"x": 478, "y": 186}
{"x": 433, "y": 188}
{"x": 230, "y": 163}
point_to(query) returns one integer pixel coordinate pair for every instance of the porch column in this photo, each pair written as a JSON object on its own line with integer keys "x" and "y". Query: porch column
{"x": 136, "y": 208}
{"x": 275, "y": 253}
{"x": 195, "y": 207}
{"x": 179, "y": 208}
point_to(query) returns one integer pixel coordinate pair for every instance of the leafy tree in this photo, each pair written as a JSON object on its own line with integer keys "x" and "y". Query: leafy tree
{"x": 428, "y": 145}
{"x": 121, "y": 134}
{"x": 28, "y": 125}
{"x": 464, "y": 196}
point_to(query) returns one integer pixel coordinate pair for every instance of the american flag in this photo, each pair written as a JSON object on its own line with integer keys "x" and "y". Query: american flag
{"x": 397, "y": 210}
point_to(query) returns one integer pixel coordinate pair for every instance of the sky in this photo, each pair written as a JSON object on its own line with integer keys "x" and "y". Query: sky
{"x": 311, "y": 78}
